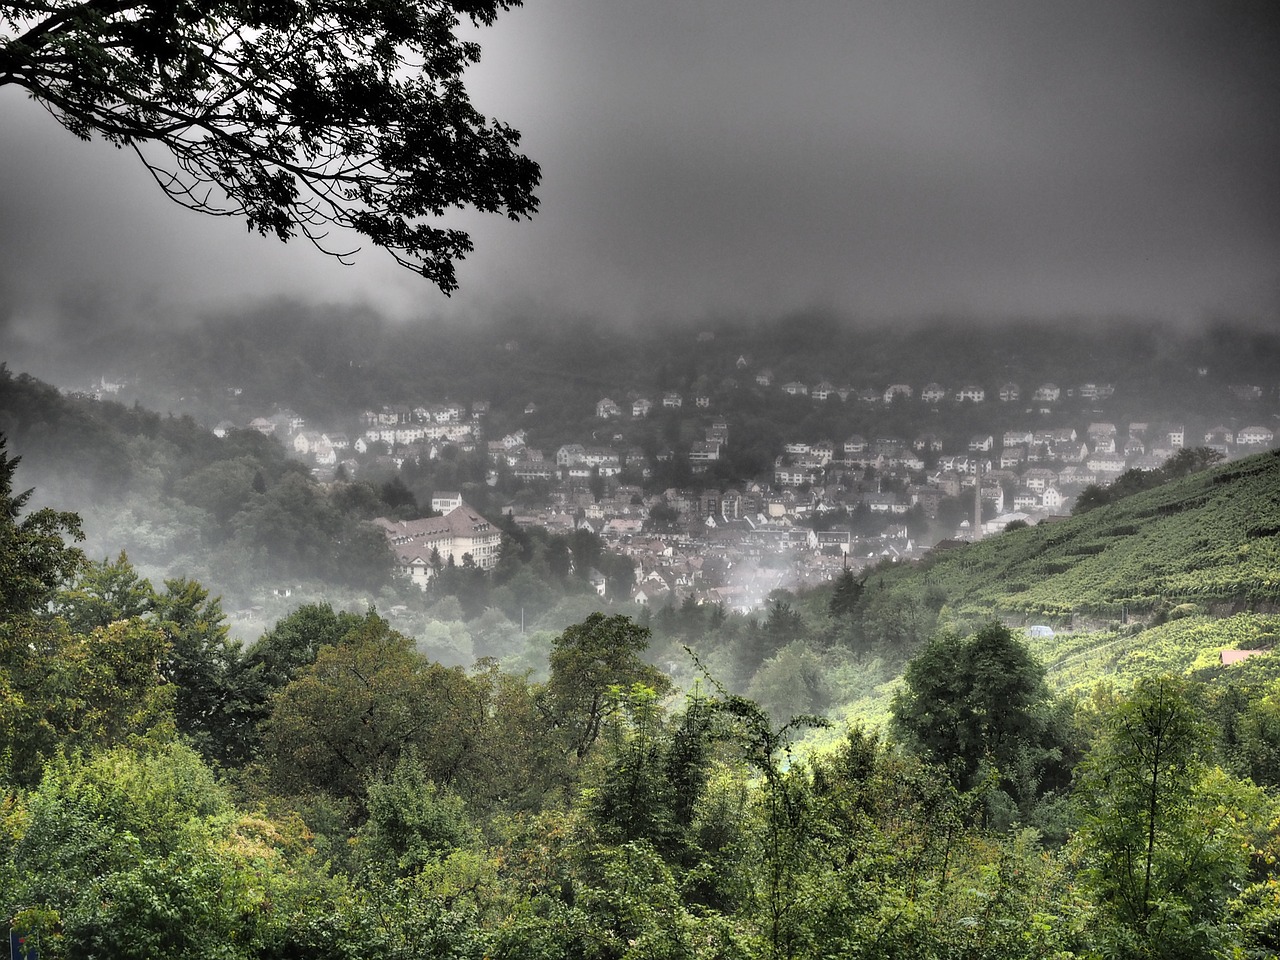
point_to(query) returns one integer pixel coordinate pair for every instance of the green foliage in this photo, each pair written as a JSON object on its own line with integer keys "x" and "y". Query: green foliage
{"x": 1198, "y": 539}
{"x": 586, "y": 661}
{"x": 140, "y": 854}
{"x": 973, "y": 704}
{"x": 793, "y": 681}
{"x": 1163, "y": 834}
{"x": 411, "y": 822}
{"x": 365, "y": 701}
{"x": 34, "y": 557}
{"x": 298, "y": 121}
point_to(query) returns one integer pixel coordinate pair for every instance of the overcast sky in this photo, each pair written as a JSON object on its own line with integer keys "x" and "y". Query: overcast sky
{"x": 713, "y": 158}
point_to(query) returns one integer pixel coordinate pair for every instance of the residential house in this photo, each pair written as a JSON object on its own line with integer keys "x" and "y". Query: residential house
{"x": 306, "y": 442}
{"x": 604, "y": 460}
{"x": 897, "y": 391}
{"x": 796, "y": 388}
{"x": 1047, "y": 393}
{"x": 1010, "y": 392}
{"x": 570, "y": 454}
{"x": 1101, "y": 431}
{"x": 833, "y": 541}
{"x": 1076, "y": 475}
{"x": 824, "y": 451}
{"x": 1052, "y": 499}
{"x": 606, "y": 409}
{"x": 927, "y": 443}
{"x": 533, "y": 470}
{"x": 1024, "y": 498}
{"x": 1219, "y": 436}
{"x": 672, "y": 400}
{"x": 1038, "y": 478}
{"x": 1012, "y": 457}
{"x": 855, "y": 446}
{"x": 823, "y": 390}
{"x": 702, "y": 453}
{"x": 1107, "y": 464}
{"x": 640, "y": 408}
{"x": 793, "y": 475}
{"x": 933, "y": 393}
{"x": 1255, "y": 437}
{"x": 972, "y": 393}
{"x": 982, "y": 442}
{"x": 765, "y": 377}
{"x": 883, "y": 502}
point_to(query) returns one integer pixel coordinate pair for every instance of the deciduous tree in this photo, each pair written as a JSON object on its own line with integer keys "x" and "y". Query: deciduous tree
{"x": 299, "y": 116}
{"x": 1163, "y": 833}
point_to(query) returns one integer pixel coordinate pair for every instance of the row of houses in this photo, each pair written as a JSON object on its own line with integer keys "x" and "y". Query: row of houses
{"x": 391, "y": 415}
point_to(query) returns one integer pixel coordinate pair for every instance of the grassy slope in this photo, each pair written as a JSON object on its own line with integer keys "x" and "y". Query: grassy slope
{"x": 1210, "y": 540}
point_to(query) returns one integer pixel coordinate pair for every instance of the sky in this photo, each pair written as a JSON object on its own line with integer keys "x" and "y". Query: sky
{"x": 716, "y": 159}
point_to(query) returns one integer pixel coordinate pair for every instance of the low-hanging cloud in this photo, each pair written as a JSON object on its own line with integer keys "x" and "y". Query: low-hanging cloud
{"x": 717, "y": 157}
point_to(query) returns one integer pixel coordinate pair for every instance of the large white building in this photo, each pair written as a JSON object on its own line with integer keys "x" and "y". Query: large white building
{"x": 459, "y": 534}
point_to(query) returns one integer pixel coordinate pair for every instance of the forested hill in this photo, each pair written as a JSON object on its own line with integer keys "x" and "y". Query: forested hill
{"x": 1208, "y": 539}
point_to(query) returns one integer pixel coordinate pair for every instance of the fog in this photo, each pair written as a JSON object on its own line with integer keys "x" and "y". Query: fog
{"x": 721, "y": 160}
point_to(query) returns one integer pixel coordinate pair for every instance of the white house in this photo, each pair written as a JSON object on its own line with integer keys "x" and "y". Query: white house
{"x": 1255, "y": 437}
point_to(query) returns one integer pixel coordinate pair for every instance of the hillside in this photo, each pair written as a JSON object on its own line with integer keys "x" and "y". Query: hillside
{"x": 1208, "y": 539}
{"x": 1159, "y": 582}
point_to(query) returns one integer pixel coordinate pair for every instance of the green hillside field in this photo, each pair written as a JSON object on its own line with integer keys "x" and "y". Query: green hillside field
{"x": 1159, "y": 582}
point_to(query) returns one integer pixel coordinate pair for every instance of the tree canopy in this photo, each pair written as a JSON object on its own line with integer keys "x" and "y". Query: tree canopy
{"x": 299, "y": 116}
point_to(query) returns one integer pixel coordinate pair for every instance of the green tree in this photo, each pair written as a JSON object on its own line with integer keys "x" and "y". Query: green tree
{"x": 138, "y": 853}
{"x": 412, "y": 823}
{"x": 103, "y": 593}
{"x": 35, "y": 559}
{"x": 586, "y": 660}
{"x": 1162, "y": 833}
{"x": 845, "y": 596}
{"x": 298, "y": 118}
{"x": 295, "y": 642}
{"x": 977, "y": 703}
{"x": 213, "y": 705}
{"x": 364, "y": 702}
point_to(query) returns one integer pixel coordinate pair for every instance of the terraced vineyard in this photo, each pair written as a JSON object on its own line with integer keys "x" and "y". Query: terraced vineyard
{"x": 1160, "y": 582}
{"x": 1076, "y": 662}
{"x": 1212, "y": 539}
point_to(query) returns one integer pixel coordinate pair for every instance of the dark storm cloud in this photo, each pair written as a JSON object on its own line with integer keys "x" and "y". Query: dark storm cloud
{"x": 739, "y": 156}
